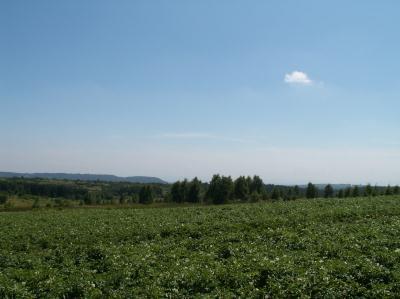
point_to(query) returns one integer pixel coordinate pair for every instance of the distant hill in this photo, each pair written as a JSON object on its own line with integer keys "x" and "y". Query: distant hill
{"x": 86, "y": 177}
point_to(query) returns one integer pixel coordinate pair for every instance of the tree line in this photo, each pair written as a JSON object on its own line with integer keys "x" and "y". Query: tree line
{"x": 88, "y": 192}
{"x": 221, "y": 189}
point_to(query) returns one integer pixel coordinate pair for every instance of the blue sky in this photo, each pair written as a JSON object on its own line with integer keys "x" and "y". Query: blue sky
{"x": 294, "y": 91}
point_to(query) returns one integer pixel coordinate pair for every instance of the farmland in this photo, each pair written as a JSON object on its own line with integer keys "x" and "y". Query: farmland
{"x": 303, "y": 248}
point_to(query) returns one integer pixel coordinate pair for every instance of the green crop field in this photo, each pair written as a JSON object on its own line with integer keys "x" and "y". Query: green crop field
{"x": 304, "y": 248}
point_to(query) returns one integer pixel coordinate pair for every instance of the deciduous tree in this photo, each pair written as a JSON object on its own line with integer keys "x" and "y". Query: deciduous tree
{"x": 241, "y": 188}
{"x": 193, "y": 193}
{"x": 220, "y": 189}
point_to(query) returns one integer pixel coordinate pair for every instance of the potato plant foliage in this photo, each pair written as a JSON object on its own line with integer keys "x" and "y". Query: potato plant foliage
{"x": 330, "y": 248}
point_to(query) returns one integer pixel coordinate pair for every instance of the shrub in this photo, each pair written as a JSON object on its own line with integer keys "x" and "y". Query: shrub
{"x": 3, "y": 199}
{"x": 255, "y": 197}
{"x": 35, "y": 204}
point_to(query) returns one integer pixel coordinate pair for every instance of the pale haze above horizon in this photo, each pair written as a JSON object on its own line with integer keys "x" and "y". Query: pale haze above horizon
{"x": 293, "y": 91}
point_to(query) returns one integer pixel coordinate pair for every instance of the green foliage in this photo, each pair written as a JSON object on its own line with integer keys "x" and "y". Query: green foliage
{"x": 376, "y": 191}
{"x": 89, "y": 199}
{"x": 312, "y": 191}
{"x": 256, "y": 185}
{"x": 396, "y": 190}
{"x": 388, "y": 190}
{"x": 186, "y": 191}
{"x": 134, "y": 199}
{"x": 174, "y": 194}
{"x": 3, "y": 199}
{"x": 296, "y": 192}
{"x": 368, "y": 190}
{"x": 193, "y": 194}
{"x": 220, "y": 189}
{"x": 178, "y": 192}
{"x": 255, "y": 197}
{"x": 245, "y": 188}
{"x": 8, "y": 205}
{"x": 241, "y": 188}
{"x": 276, "y": 194}
{"x": 289, "y": 195}
{"x": 298, "y": 249}
{"x": 356, "y": 191}
{"x": 328, "y": 191}
{"x": 347, "y": 192}
{"x": 146, "y": 195}
{"x": 89, "y": 191}
{"x": 36, "y": 204}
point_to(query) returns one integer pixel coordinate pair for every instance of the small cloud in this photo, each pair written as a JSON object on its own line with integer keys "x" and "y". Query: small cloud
{"x": 297, "y": 77}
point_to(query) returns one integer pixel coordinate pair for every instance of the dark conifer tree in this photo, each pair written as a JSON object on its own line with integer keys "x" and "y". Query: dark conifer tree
{"x": 368, "y": 190}
{"x": 356, "y": 191}
{"x": 312, "y": 191}
{"x": 328, "y": 191}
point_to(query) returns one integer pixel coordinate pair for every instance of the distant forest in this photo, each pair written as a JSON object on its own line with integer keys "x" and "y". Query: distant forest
{"x": 220, "y": 190}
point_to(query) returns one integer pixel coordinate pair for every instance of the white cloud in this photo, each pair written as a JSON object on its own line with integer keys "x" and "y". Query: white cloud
{"x": 297, "y": 77}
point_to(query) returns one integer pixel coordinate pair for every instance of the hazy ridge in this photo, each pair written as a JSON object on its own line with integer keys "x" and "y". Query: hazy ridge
{"x": 86, "y": 177}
